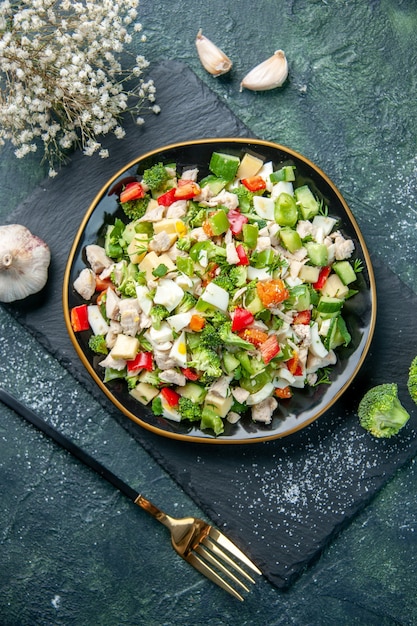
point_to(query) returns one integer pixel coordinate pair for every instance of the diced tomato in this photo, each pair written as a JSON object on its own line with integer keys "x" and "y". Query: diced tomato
{"x": 243, "y": 257}
{"x": 79, "y": 318}
{"x": 302, "y": 317}
{"x": 186, "y": 190}
{"x": 323, "y": 276}
{"x": 269, "y": 348}
{"x": 236, "y": 220}
{"x": 197, "y": 322}
{"x": 132, "y": 191}
{"x": 167, "y": 198}
{"x": 294, "y": 366}
{"x": 190, "y": 374}
{"x": 272, "y": 292}
{"x": 170, "y": 396}
{"x": 254, "y": 336}
{"x": 103, "y": 283}
{"x": 254, "y": 183}
{"x": 242, "y": 318}
{"x": 284, "y": 393}
{"x": 143, "y": 360}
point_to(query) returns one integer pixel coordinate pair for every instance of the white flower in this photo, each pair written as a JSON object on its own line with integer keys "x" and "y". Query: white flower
{"x": 62, "y": 81}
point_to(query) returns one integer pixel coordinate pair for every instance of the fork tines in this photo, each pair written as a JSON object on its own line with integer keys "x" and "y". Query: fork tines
{"x": 212, "y": 552}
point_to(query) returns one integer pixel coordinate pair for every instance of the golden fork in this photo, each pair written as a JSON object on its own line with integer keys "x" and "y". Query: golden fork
{"x": 206, "y": 549}
{"x": 196, "y": 541}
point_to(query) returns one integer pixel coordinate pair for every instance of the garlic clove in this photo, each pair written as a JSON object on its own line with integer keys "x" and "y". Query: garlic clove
{"x": 24, "y": 262}
{"x": 267, "y": 75}
{"x": 212, "y": 58}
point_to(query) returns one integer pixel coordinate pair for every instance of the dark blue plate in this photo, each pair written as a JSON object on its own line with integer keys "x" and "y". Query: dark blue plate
{"x": 359, "y": 312}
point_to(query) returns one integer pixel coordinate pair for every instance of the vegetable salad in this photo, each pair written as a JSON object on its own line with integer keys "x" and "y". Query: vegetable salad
{"x": 217, "y": 296}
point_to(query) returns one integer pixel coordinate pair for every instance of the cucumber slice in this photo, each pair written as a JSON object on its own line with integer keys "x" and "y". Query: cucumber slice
{"x": 193, "y": 392}
{"x": 345, "y": 272}
{"x": 285, "y": 174}
{"x": 290, "y": 239}
{"x": 338, "y": 334}
{"x": 215, "y": 184}
{"x": 306, "y": 201}
{"x": 327, "y": 304}
{"x": 224, "y": 165}
{"x": 317, "y": 253}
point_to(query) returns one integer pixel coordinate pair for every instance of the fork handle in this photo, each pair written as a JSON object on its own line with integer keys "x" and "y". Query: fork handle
{"x": 153, "y": 510}
{"x": 67, "y": 444}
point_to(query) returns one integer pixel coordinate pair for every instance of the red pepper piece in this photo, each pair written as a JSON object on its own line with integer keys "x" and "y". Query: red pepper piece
{"x": 190, "y": 374}
{"x": 167, "y": 198}
{"x": 254, "y": 183}
{"x": 241, "y": 253}
{"x": 236, "y": 220}
{"x": 143, "y": 360}
{"x": 242, "y": 318}
{"x": 186, "y": 190}
{"x": 269, "y": 349}
{"x": 171, "y": 397}
{"x": 132, "y": 191}
{"x": 79, "y": 318}
{"x": 323, "y": 276}
{"x": 302, "y": 317}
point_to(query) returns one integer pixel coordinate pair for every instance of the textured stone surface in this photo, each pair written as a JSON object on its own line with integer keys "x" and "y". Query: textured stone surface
{"x": 73, "y": 551}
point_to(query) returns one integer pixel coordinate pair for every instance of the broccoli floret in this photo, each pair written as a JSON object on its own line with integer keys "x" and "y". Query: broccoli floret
{"x": 188, "y": 302}
{"x": 135, "y": 209}
{"x": 97, "y": 343}
{"x": 224, "y": 281}
{"x": 245, "y": 198}
{"x": 189, "y": 410}
{"x": 238, "y": 275}
{"x": 155, "y": 177}
{"x": 226, "y": 335}
{"x": 132, "y": 381}
{"x": 206, "y": 361}
{"x": 209, "y": 337}
{"x": 381, "y": 412}
{"x": 126, "y": 279}
{"x": 158, "y": 314}
{"x": 412, "y": 380}
{"x": 151, "y": 377}
{"x": 184, "y": 243}
{"x": 216, "y": 317}
{"x": 196, "y": 215}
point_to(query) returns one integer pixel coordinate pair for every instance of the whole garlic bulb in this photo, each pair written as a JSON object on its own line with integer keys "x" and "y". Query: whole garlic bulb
{"x": 24, "y": 262}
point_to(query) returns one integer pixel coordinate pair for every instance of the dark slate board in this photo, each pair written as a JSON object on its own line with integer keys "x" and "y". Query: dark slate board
{"x": 282, "y": 500}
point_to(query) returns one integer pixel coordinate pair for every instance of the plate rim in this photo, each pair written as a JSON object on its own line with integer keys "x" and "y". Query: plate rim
{"x": 193, "y": 438}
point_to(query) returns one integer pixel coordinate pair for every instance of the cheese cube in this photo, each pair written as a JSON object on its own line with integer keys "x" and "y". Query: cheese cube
{"x": 125, "y": 347}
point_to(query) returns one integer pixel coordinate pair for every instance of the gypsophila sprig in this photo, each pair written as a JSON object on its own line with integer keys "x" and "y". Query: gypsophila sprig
{"x": 62, "y": 82}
